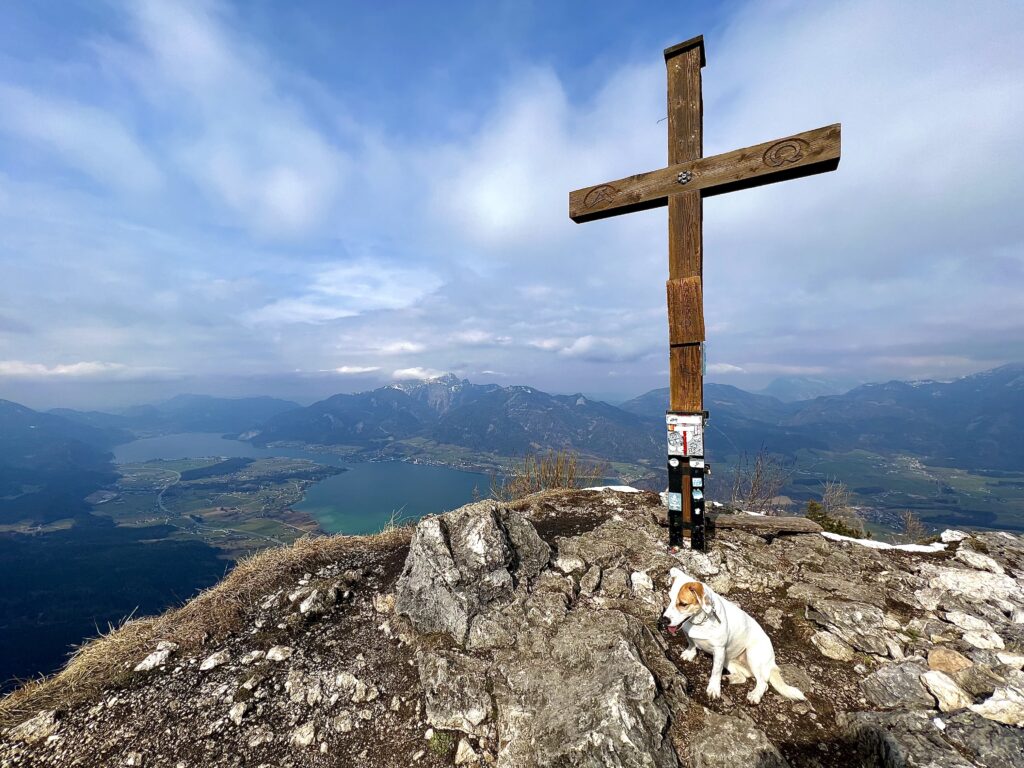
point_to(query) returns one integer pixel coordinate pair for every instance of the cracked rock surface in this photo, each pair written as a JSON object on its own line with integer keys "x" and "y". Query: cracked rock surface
{"x": 525, "y": 634}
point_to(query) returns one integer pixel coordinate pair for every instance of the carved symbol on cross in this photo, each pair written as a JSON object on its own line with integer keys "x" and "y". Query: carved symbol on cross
{"x": 784, "y": 152}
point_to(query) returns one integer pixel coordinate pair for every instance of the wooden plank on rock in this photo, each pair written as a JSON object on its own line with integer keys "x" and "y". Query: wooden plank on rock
{"x": 766, "y": 524}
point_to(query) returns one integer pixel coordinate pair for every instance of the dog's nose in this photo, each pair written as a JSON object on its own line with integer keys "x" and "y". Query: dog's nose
{"x": 663, "y": 622}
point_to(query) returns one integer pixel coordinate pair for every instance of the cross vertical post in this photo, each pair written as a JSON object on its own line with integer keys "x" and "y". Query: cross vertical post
{"x": 682, "y": 186}
{"x": 685, "y": 284}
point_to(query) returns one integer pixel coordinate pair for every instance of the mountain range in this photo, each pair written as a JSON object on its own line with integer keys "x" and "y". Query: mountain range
{"x": 49, "y": 462}
{"x": 974, "y": 422}
{"x": 480, "y": 417}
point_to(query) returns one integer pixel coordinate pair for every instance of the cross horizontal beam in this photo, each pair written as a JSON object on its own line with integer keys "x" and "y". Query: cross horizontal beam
{"x": 803, "y": 154}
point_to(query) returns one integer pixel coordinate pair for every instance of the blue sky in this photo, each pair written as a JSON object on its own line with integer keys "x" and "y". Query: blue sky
{"x": 306, "y": 198}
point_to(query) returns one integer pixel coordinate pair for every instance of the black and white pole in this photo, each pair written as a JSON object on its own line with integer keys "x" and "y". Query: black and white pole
{"x": 686, "y": 470}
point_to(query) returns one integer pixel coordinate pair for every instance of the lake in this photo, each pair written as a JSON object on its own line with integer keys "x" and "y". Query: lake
{"x": 360, "y": 500}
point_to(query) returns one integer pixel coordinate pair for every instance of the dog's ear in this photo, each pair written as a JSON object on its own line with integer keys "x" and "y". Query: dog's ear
{"x": 675, "y": 573}
{"x": 706, "y": 603}
{"x": 701, "y": 596}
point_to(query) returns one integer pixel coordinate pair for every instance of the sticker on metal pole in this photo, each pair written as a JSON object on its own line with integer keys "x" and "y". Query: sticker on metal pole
{"x": 685, "y": 434}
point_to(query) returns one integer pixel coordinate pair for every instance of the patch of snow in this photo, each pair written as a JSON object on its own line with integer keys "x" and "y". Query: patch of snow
{"x": 937, "y": 546}
{"x": 619, "y": 488}
{"x": 755, "y": 514}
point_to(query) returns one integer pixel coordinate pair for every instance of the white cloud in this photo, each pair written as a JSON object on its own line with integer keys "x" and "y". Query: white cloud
{"x": 400, "y": 347}
{"x": 355, "y": 370}
{"x": 20, "y": 368}
{"x": 346, "y": 290}
{"x": 417, "y": 372}
{"x": 600, "y": 349}
{"x": 724, "y": 368}
{"x": 86, "y": 138}
{"x": 248, "y": 143}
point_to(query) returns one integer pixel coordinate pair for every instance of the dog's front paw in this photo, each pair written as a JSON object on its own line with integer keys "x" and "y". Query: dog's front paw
{"x": 689, "y": 654}
{"x": 714, "y": 689}
{"x": 754, "y": 697}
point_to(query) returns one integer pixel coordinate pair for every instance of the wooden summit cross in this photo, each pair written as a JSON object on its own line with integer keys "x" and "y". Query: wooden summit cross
{"x": 683, "y": 185}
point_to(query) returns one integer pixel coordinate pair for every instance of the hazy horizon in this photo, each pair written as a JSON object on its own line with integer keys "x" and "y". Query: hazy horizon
{"x": 107, "y": 396}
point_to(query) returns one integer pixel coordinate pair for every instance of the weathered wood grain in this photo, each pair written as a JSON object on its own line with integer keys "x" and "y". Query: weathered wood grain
{"x": 685, "y": 380}
{"x": 685, "y": 310}
{"x": 683, "y": 63}
{"x": 765, "y": 524}
{"x": 803, "y": 154}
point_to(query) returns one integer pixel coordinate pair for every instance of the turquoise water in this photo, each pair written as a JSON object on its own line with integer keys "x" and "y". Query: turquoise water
{"x": 360, "y": 500}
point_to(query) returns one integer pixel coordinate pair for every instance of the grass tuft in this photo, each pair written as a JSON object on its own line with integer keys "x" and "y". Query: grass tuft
{"x": 541, "y": 472}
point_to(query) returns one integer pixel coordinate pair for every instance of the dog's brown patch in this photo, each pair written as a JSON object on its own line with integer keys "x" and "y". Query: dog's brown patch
{"x": 691, "y": 593}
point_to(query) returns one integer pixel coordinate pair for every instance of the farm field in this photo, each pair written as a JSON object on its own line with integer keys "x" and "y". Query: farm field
{"x": 237, "y": 505}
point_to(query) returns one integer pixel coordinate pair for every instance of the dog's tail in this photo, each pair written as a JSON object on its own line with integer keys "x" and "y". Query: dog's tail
{"x": 786, "y": 691}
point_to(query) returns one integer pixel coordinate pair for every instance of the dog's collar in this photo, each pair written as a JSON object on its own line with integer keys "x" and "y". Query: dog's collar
{"x": 703, "y": 616}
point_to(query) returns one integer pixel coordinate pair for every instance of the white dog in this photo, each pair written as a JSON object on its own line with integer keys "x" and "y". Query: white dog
{"x": 723, "y": 629}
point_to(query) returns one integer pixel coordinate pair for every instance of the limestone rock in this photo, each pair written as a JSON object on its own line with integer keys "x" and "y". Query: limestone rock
{"x": 215, "y": 660}
{"x": 832, "y": 646}
{"x": 157, "y": 658}
{"x": 1005, "y": 705}
{"x": 978, "y": 561}
{"x": 974, "y": 585}
{"x": 951, "y": 535}
{"x": 978, "y": 679}
{"x": 463, "y": 562}
{"x": 569, "y": 564}
{"x": 493, "y": 629}
{"x": 591, "y": 580}
{"x": 37, "y": 728}
{"x": 603, "y": 658}
{"x": 641, "y": 583}
{"x": 898, "y": 686}
{"x": 1015, "y": 660}
{"x": 858, "y": 624}
{"x": 947, "y": 660}
{"x": 732, "y": 742}
{"x": 985, "y": 640}
{"x": 251, "y": 657}
{"x": 614, "y": 583}
{"x": 899, "y": 740}
{"x": 455, "y": 689}
{"x": 997, "y": 745}
{"x": 279, "y": 653}
{"x": 237, "y": 711}
{"x": 465, "y": 754}
{"x": 304, "y": 735}
{"x": 967, "y": 622}
{"x": 950, "y": 696}
{"x": 384, "y": 602}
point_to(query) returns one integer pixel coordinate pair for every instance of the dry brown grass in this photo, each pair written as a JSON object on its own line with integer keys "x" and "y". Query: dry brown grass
{"x": 109, "y": 660}
{"x": 541, "y": 472}
{"x": 757, "y": 482}
{"x": 911, "y": 527}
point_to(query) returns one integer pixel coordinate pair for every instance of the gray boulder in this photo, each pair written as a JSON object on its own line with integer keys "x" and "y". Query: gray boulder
{"x": 860, "y": 625}
{"x": 463, "y": 562}
{"x": 898, "y": 686}
{"x": 455, "y": 689}
{"x": 732, "y": 742}
{"x": 898, "y": 740}
{"x": 583, "y": 694}
{"x": 1000, "y": 746}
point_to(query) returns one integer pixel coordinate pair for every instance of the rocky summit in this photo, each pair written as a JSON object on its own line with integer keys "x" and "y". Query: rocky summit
{"x": 525, "y": 634}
